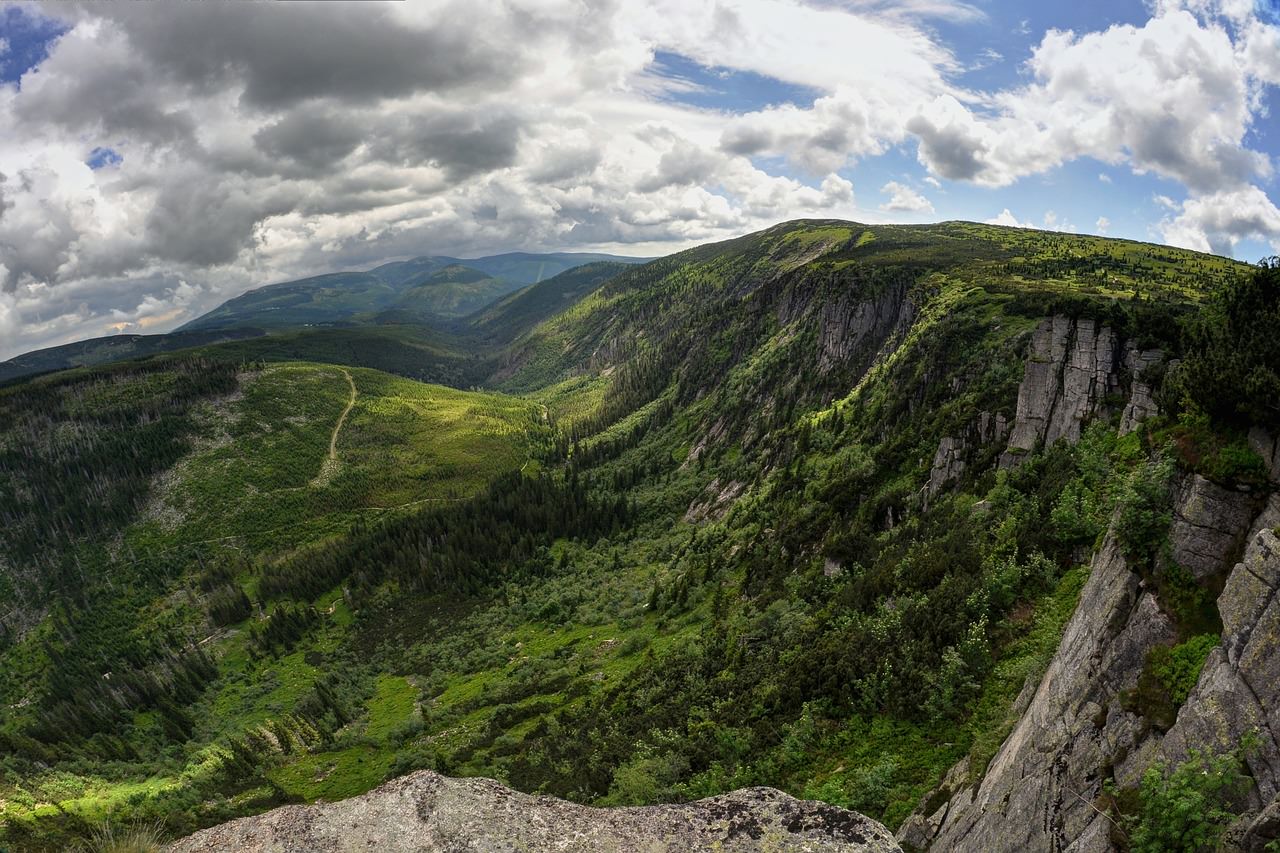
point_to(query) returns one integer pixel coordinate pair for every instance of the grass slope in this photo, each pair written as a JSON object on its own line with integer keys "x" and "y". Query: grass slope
{"x": 433, "y": 287}
{"x": 722, "y": 571}
{"x": 109, "y": 349}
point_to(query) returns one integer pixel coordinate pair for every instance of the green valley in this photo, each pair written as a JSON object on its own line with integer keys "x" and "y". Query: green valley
{"x": 774, "y": 511}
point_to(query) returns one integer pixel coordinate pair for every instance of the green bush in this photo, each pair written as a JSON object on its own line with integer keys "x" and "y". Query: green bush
{"x": 1167, "y": 678}
{"x": 1186, "y": 809}
{"x": 1218, "y": 452}
{"x": 1193, "y": 608}
{"x": 1178, "y": 668}
{"x": 1145, "y": 506}
{"x": 1231, "y": 370}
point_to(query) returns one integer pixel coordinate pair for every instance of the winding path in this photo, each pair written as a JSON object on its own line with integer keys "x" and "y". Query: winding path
{"x": 329, "y": 466}
{"x": 342, "y": 418}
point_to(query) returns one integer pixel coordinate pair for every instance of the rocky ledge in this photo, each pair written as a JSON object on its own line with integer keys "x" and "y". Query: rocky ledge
{"x": 425, "y": 812}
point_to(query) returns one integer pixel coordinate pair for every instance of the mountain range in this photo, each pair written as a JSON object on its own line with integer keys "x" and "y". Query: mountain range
{"x": 425, "y": 290}
{"x": 968, "y": 529}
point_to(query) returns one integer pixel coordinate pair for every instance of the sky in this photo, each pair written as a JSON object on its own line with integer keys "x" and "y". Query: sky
{"x": 157, "y": 159}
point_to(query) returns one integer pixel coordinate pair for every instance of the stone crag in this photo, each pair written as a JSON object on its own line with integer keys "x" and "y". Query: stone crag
{"x": 428, "y": 813}
{"x": 1077, "y": 731}
{"x": 1075, "y": 369}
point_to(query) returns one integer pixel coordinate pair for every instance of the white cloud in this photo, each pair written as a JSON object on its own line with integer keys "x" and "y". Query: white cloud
{"x": 1007, "y": 218}
{"x": 1215, "y": 223}
{"x": 1104, "y": 177}
{"x": 1102, "y": 225}
{"x": 260, "y": 143}
{"x": 1170, "y": 97}
{"x": 904, "y": 198}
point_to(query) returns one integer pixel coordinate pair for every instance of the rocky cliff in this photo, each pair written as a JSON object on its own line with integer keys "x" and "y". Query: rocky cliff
{"x": 425, "y": 812}
{"x": 1078, "y": 728}
{"x": 1075, "y": 369}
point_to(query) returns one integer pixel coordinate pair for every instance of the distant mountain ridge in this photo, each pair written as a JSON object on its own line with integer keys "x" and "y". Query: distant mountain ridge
{"x": 414, "y": 289}
{"x": 412, "y": 292}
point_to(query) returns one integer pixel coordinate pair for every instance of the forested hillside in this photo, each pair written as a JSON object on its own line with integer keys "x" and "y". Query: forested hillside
{"x": 806, "y": 509}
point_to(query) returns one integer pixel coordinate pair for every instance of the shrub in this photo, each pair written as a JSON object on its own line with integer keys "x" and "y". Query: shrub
{"x": 1168, "y": 676}
{"x": 1178, "y": 668}
{"x": 1186, "y": 809}
{"x": 135, "y": 838}
{"x": 1230, "y": 371}
{"x": 1221, "y": 455}
{"x": 1145, "y": 506}
{"x": 1192, "y": 607}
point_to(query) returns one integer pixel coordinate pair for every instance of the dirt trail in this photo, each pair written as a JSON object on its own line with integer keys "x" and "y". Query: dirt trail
{"x": 330, "y": 465}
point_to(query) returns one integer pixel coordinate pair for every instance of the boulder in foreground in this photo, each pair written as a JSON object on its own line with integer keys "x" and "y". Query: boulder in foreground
{"x": 425, "y": 812}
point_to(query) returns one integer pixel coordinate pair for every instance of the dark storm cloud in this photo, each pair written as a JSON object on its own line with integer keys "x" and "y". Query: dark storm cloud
{"x": 311, "y": 138}
{"x": 291, "y": 52}
{"x": 105, "y": 90}
{"x": 207, "y": 221}
{"x": 563, "y": 163}
{"x": 460, "y": 142}
{"x": 949, "y": 151}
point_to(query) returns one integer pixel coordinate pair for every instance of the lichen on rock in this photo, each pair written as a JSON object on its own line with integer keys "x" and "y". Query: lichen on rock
{"x": 425, "y": 812}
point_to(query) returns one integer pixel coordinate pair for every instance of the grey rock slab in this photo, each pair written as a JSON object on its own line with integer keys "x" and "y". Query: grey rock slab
{"x": 1210, "y": 523}
{"x": 425, "y": 812}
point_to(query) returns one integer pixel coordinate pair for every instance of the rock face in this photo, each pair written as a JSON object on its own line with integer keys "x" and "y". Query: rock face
{"x": 950, "y": 461}
{"x": 425, "y": 813}
{"x": 1209, "y": 522}
{"x": 849, "y": 324}
{"x": 1239, "y": 687}
{"x": 1076, "y": 733}
{"x": 1072, "y": 367}
{"x": 1142, "y": 401}
{"x": 1267, "y": 447}
{"x": 948, "y": 464}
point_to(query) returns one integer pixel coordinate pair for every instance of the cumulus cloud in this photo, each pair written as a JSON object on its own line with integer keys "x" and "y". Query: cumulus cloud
{"x": 904, "y": 198}
{"x": 1171, "y": 97}
{"x": 1102, "y": 225}
{"x": 1005, "y": 217}
{"x": 263, "y": 142}
{"x": 1215, "y": 223}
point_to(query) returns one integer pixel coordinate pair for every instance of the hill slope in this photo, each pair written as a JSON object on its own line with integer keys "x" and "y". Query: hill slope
{"x": 407, "y": 338}
{"x": 805, "y": 509}
{"x": 434, "y": 286}
{"x": 111, "y": 348}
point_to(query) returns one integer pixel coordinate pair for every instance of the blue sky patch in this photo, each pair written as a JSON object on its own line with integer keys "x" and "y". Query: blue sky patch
{"x": 25, "y": 39}
{"x": 100, "y": 158}
{"x": 725, "y": 89}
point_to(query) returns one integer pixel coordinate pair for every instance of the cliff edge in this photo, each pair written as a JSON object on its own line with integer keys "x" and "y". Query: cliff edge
{"x": 425, "y": 812}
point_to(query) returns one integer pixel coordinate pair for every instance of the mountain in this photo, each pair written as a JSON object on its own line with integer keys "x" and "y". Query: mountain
{"x": 383, "y": 313}
{"x": 109, "y": 349}
{"x": 968, "y": 529}
{"x": 427, "y": 287}
{"x": 512, "y": 317}
{"x": 452, "y": 292}
{"x": 530, "y": 268}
